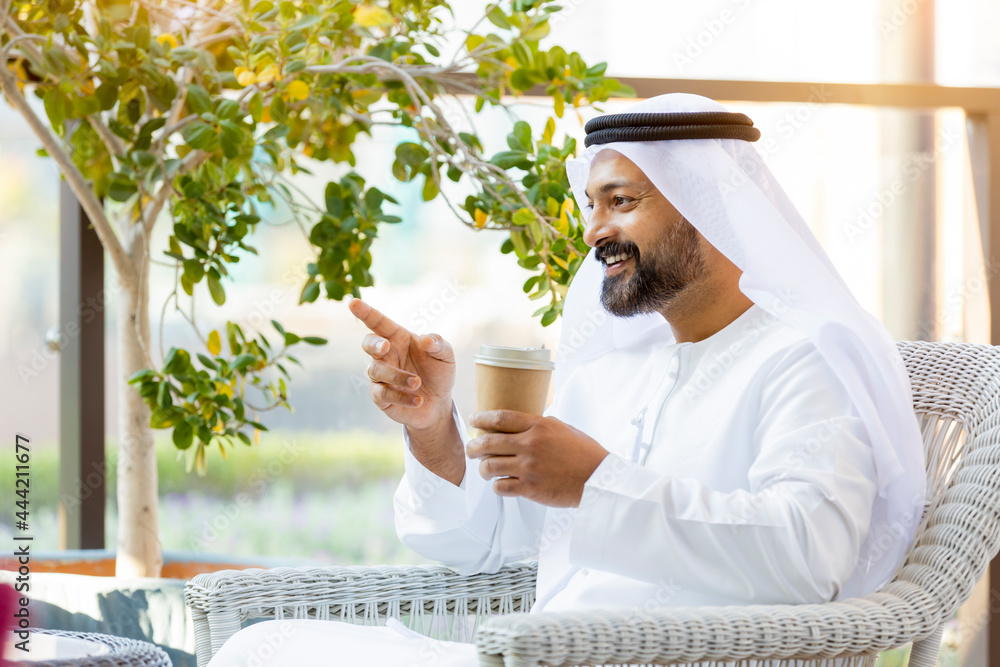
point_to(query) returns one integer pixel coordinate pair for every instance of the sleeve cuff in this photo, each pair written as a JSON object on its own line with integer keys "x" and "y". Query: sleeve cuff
{"x": 618, "y": 475}
{"x": 430, "y": 494}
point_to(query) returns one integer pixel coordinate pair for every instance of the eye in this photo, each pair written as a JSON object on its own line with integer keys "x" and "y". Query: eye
{"x": 619, "y": 200}
{"x": 589, "y": 206}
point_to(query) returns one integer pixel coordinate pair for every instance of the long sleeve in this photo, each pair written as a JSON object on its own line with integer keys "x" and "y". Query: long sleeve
{"x": 792, "y": 536}
{"x": 467, "y": 527}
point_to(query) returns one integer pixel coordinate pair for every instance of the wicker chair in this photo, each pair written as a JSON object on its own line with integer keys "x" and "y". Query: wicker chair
{"x": 122, "y": 652}
{"x": 956, "y": 390}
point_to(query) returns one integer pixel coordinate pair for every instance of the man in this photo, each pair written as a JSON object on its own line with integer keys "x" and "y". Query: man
{"x": 737, "y": 431}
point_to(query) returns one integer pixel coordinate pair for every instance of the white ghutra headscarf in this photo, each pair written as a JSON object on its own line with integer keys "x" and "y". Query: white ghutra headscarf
{"x": 724, "y": 189}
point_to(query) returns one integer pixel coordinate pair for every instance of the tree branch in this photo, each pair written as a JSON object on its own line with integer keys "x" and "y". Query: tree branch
{"x": 76, "y": 181}
{"x": 114, "y": 144}
{"x": 14, "y": 29}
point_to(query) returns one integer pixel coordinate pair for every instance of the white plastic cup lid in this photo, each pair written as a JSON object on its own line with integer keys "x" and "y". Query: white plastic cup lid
{"x": 532, "y": 358}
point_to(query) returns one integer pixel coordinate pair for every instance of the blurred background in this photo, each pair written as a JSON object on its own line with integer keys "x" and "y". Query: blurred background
{"x": 887, "y": 192}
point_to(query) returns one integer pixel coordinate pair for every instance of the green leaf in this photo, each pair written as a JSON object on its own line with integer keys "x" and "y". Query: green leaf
{"x": 200, "y": 135}
{"x": 232, "y": 138}
{"x": 215, "y": 287}
{"x": 309, "y": 293}
{"x": 148, "y": 390}
{"x": 177, "y": 361}
{"x": 193, "y": 190}
{"x": 207, "y": 362}
{"x": 228, "y": 109}
{"x": 144, "y": 139}
{"x": 596, "y": 70}
{"x": 181, "y": 54}
{"x": 183, "y": 435}
{"x": 55, "y": 108}
{"x": 162, "y": 418}
{"x": 473, "y": 41}
{"x": 131, "y": 103}
{"x": 498, "y": 18}
{"x": 335, "y": 290}
{"x": 307, "y": 21}
{"x": 55, "y": 60}
{"x": 141, "y": 36}
{"x": 194, "y": 270}
{"x": 141, "y": 375}
{"x": 430, "y": 190}
{"x": 291, "y": 339}
{"x": 520, "y": 242}
{"x": 163, "y": 395}
{"x": 625, "y": 91}
{"x": 523, "y": 217}
{"x": 279, "y": 131}
{"x": 256, "y": 107}
{"x": 411, "y": 154}
{"x": 522, "y": 54}
{"x": 143, "y": 158}
{"x": 522, "y": 131}
{"x": 549, "y": 317}
{"x": 198, "y": 99}
{"x": 509, "y": 159}
{"x": 522, "y": 79}
{"x": 537, "y": 32}
{"x": 242, "y": 361}
{"x": 107, "y": 94}
{"x": 314, "y": 340}
{"x": 120, "y": 129}
{"x": 121, "y": 190}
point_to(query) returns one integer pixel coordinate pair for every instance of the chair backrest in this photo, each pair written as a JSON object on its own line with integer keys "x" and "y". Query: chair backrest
{"x": 956, "y": 395}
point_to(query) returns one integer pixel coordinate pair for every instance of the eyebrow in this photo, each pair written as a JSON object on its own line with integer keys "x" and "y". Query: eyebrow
{"x": 613, "y": 185}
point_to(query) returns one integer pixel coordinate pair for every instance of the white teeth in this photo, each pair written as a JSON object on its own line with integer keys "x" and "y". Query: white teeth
{"x": 614, "y": 259}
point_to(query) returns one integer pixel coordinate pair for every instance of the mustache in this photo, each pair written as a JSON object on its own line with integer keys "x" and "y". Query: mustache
{"x": 616, "y": 248}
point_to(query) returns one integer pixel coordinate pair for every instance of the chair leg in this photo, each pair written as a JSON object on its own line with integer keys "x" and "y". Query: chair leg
{"x": 202, "y": 636}
{"x": 925, "y": 651}
{"x": 222, "y": 625}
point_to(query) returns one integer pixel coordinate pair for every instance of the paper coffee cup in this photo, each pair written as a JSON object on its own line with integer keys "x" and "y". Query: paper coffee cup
{"x": 513, "y": 378}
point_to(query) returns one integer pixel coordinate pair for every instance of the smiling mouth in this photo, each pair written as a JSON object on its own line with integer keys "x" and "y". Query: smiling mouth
{"x": 617, "y": 260}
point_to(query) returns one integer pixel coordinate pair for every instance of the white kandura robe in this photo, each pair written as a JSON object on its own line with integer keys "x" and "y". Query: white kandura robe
{"x": 740, "y": 473}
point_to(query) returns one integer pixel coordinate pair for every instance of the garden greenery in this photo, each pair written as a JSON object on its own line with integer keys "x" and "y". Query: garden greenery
{"x": 200, "y": 113}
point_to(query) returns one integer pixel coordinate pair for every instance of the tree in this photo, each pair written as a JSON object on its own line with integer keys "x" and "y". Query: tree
{"x": 197, "y": 113}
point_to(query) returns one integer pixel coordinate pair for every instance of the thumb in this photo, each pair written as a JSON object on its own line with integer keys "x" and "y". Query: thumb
{"x": 437, "y": 347}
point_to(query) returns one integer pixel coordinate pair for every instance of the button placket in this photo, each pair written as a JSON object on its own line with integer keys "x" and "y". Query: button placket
{"x": 646, "y": 428}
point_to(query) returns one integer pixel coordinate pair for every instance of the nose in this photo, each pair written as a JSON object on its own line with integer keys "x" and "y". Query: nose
{"x": 598, "y": 227}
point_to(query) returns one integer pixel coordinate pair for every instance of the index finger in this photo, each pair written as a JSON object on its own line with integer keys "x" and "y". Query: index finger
{"x": 373, "y": 319}
{"x": 503, "y": 421}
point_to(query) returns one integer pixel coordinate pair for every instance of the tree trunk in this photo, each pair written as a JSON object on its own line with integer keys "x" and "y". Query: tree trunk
{"x": 139, "y": 551}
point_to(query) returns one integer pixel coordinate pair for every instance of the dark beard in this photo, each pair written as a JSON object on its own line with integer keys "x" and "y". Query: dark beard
{"x": 663, "y": 272}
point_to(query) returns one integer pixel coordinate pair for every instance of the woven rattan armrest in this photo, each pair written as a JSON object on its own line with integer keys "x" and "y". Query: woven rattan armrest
{"x": 894, "y": 617}
{"x": 221, "y": 601}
